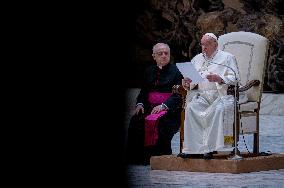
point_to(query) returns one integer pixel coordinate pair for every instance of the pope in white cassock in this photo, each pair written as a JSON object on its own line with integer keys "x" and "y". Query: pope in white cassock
{"x": 209, "y": 113}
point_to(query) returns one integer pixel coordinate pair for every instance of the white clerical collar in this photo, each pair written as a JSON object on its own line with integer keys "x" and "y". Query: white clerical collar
{"x": 211, "y": 57}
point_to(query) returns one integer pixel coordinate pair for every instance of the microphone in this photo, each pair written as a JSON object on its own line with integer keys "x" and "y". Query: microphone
{"x": 236, "y": 156}
{"x": 235, "y": 74}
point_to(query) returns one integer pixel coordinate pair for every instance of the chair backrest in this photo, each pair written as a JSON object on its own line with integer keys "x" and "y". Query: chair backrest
{"x": 251, "y": 51}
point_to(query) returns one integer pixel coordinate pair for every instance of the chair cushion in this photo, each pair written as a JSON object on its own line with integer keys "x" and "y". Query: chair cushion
{"x": 248, "y": 120}
{"x": 248, "y": 106}
{"x": 248, "y": 125}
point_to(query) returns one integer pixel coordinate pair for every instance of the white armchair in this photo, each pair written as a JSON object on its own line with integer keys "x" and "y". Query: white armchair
{"x": 251, "y": 51}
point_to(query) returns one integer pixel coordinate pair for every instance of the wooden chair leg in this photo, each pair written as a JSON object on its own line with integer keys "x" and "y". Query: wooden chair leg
{"x": 181, "y": 136}
{"x": 181, "y": 131}
{"x": 256, "y": 135}
{"x": 180, "y": 145}
{"x": 256, "y": 143}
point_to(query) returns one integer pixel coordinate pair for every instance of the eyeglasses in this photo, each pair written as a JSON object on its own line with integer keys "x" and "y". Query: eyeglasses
{"x": 161, "y": 53}
{"x": 205, "y": 44}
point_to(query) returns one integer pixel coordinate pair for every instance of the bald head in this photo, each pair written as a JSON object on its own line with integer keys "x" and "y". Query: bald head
{"x": 158, "y": 46}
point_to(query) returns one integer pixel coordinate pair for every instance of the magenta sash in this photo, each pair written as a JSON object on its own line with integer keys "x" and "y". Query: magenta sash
{"x": 156, "y": 98}
{"x": 152, "y": 120}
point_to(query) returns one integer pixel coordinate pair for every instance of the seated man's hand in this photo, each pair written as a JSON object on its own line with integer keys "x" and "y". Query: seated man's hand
{"x": 214, "y": 78}
{"x": 186, "y": 83}
{"x": 138, "y": 109}
{"x": 157, "y": 109}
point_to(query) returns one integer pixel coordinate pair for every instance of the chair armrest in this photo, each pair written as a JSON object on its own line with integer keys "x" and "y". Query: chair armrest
{"x": 231, "y": 89}
{"x": 249, "y": 85}
{"x": 179, "y": 90}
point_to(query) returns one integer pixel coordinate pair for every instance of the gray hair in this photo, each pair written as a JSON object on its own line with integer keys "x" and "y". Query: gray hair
{"x": 158, "y": 45}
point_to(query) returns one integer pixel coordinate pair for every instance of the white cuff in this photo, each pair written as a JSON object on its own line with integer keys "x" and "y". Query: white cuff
{"x": 139, "y": 104}
{"x": 164, "y": 106}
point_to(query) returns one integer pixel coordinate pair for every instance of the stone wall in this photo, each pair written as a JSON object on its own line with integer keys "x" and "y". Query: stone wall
{"x": 181, "y": 23}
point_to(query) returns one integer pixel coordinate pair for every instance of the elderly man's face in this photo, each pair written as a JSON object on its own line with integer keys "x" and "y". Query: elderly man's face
{"x": 162, "y": 55}
{"x": 208, "y": 45}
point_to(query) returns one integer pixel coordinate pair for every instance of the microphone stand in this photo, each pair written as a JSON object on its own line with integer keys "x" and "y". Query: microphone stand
{"x": 236, "y": 156}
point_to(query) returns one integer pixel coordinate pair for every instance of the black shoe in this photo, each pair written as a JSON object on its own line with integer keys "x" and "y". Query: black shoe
{"x": 264, "y": 154}
{"x": 208, "y": 156}
{"x": 183, "y": 155}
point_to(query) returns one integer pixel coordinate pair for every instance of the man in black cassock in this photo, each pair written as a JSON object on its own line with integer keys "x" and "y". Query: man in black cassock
{"x": 157, "y": 113}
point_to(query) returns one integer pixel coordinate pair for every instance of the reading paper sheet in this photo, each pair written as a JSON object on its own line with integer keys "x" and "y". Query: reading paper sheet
{"x": 188, "y": 70}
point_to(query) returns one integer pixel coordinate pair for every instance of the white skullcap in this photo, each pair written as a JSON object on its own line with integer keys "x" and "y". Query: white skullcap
{"x": 211, "y": 35}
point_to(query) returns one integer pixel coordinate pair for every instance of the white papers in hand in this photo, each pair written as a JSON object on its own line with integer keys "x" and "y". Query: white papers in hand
{"x": 188, "y": 71}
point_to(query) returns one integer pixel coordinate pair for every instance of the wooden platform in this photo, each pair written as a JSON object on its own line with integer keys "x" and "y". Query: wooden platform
{"x": 219, "y": 164}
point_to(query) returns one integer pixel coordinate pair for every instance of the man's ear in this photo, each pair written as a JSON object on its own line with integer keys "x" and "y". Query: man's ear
{"x": 154, "y": 57}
